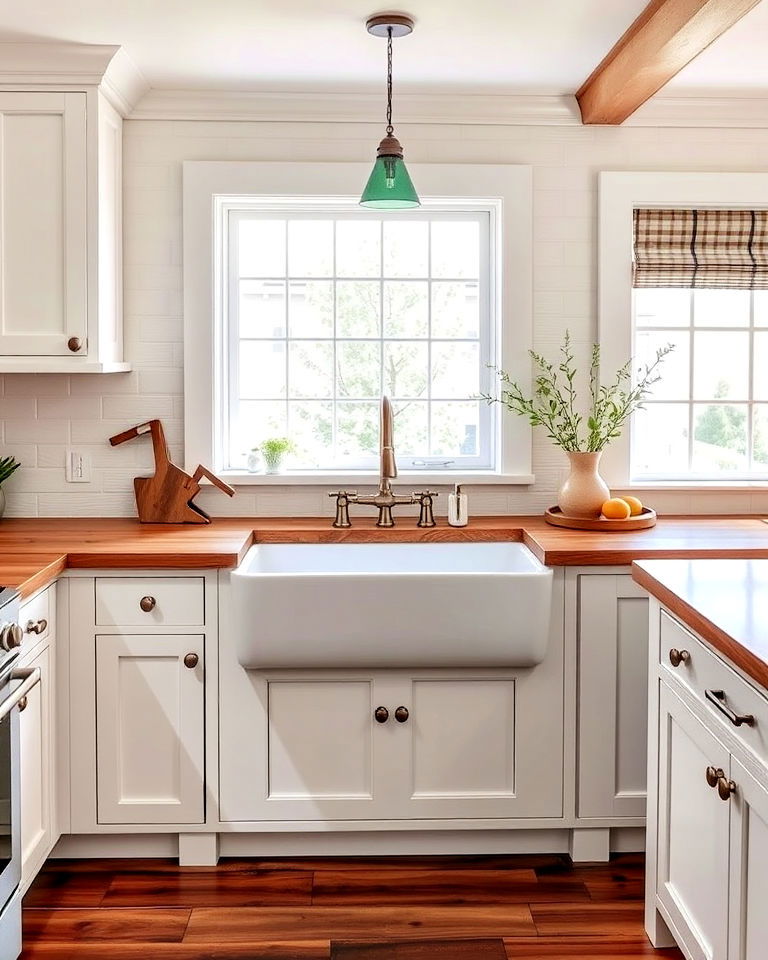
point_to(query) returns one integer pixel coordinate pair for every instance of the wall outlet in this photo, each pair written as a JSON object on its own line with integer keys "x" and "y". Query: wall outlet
{"x": 78, "y": 467}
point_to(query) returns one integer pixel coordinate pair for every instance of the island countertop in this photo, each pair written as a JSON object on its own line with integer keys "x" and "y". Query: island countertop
{"x": 724, "y": 601}
{"x": 34, "y": 552}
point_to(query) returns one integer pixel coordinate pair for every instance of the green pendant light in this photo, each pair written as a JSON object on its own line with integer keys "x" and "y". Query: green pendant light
{"x": 389, "y": 186}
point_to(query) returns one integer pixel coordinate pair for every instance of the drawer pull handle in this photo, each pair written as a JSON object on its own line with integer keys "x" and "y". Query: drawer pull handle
{"x": 381, "y": 714}
{"x": 725, "y": 788}
{"x": 36, "y": 626}
{"x": 191, "y": 661}
{"x": 147, "y": 604}
{"x": 713, "y": 775}
{"x": 717, "y": 699}
{"x": 401, "y": 714}
{"x": 676, "y": 657}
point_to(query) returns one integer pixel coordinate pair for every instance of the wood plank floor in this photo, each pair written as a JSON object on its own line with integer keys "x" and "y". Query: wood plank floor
{"x": 400, "y": 908}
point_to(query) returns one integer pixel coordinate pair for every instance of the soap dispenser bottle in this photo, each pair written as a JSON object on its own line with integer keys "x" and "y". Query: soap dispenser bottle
{"x": 457, "y": 508}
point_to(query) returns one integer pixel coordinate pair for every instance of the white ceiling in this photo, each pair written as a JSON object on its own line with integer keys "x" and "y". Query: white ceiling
{"x": 734, "y": 65}
{"x": 484, "y": 46}
{"x": 510, "y": 46}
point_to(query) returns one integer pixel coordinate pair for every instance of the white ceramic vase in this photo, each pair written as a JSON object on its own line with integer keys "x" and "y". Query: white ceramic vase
{"x": 584, "y": 492}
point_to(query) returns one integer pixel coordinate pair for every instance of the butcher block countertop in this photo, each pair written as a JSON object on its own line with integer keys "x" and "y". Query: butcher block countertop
{"x": 34, "y": 552}
{"x": 724, "y": 601}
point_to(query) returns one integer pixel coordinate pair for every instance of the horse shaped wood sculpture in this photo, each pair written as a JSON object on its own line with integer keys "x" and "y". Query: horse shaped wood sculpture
{"x": 166, "y": 497}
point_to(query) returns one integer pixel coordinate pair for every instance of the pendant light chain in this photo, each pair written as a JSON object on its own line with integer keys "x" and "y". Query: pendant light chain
{"x": 390, "y": 128}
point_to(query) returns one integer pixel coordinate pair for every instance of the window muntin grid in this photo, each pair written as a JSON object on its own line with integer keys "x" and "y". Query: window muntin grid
{"x": 322, "y": 318}
{"x": 708, "y": 417}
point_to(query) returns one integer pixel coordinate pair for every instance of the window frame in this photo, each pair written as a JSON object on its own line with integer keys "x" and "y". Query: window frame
{"x": 210, "y": 188}
{"x": 620, "y": 193}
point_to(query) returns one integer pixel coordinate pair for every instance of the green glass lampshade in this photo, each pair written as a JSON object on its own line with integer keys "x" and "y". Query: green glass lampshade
{"x": 389, "y": 186}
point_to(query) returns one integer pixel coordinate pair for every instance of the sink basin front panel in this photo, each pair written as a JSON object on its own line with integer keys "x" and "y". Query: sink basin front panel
{"x": 371, "y": 605}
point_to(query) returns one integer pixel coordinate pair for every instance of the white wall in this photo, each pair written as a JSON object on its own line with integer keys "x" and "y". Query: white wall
{"x": 42, "y": 414}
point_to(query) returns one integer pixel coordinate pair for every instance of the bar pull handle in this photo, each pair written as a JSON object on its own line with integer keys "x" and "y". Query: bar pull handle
{"x": 717, "y": 699}
{"x": 30, "y": 677}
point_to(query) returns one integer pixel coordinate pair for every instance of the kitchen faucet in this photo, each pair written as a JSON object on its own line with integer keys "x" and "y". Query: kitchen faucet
{"x": 384, "y": 498}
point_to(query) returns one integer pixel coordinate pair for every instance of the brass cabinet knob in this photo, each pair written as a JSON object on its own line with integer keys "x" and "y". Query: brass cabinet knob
{"x": 74, "y": 344}
{"x": 713, "y": 775}
{"x": 725, "y": 788}
{"x": 676, "y": 657}
{"x": 401, "y": 714}
{"x": 23, "y": 703}
{"x": 191, "y": 661}
{"x": 381, "y": 714}
{"x": 36, "y": 626}
{"x": 147, "y": 604}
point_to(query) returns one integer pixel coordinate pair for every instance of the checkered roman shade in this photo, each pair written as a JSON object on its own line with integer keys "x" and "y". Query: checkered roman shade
{"x": 701, "y": 248}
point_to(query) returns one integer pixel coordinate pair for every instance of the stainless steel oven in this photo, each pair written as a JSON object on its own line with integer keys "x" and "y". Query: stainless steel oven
{"x": 15, "y": 684}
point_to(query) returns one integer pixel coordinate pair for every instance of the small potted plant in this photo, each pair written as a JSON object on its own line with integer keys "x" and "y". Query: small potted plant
{"x": 8, "y": 466}
{"x": 553, "y": 405}
{"x": 273, "y": 450}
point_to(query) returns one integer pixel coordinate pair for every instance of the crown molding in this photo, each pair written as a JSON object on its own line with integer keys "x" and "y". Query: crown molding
{"x": 74, "y": 64}
{"x": 348, "y": 107}
{"x": 701, "y": 112}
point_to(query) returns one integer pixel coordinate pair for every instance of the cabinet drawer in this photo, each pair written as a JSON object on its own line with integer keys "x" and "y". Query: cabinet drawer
{"x": 702, "y": 671}
{"x": 169, "y": 601}
{"x": 36, "y": 616}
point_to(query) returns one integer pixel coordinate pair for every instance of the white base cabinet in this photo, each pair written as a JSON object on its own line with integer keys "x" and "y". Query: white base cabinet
{"x": 707, "y": 855}
{"x": 388, "y": 745}
{"x": 149, "y": 717}
{"x": 612, "y": 696}
{"x": 38, "y": 738}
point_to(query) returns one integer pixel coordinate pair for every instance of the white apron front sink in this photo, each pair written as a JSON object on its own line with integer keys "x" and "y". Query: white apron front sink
{"x": 391, "y": 605}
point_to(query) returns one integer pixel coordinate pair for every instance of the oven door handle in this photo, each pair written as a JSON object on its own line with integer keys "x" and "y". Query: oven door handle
{"x": 30, "y": 677}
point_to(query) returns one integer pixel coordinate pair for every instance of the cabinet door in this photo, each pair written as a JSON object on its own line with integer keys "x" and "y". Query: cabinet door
{"x": 692, "y": 880}
{"x": 485, "y": 746}
{"x": 748, "y": 918}
{"x": 42, "y": 223}
{"x": 149, "y": 729}
{"x": 314, "y": 748}
{"x": 613, "y": 696}
{"x": 36, "y": 768}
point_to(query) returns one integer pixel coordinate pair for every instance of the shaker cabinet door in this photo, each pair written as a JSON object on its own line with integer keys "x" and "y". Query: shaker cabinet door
{"x": 43, "y": 203}
{"x": 748, "y": 924}
{"x": 36, "y": 767}
{"x": 613, "y": 696}
{"x": 693, "y": 830}
{"x": 149, "y": 723}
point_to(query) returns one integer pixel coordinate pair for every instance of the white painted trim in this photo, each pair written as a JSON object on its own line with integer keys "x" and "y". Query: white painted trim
{"x": 60, "y": 365}
{"x": 438, "y": 108}
{"x": 76, "y": 64}
{"x": 619, "y": 194}
{"x": 208, "y": 183}
{"x": 367, "y": 477}
{"x": 346, "y": 107}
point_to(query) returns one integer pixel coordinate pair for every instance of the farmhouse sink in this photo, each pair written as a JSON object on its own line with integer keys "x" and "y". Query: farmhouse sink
{"x": 391, "y": 605}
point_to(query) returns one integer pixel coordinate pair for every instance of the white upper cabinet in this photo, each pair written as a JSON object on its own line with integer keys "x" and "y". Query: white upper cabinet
{"x": 60, "y": 211}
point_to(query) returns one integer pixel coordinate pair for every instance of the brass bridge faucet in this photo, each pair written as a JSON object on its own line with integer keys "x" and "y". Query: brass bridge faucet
{"x": 384, "y": 498}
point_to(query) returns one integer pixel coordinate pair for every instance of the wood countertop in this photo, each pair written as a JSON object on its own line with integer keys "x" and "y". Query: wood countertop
{"x": 34, "y": 552}
{"x": 724, "y": 601}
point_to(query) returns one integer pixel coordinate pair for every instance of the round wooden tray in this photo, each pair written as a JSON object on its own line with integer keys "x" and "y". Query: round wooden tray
{"x": 642, "y": 521}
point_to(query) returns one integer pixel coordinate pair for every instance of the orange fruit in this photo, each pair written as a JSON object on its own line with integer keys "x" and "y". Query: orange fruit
{"x": 635, "y": 506}
{"x": 616, "y": 509}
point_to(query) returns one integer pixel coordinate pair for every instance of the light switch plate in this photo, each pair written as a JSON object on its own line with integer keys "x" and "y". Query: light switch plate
{"x": 78, "y": 467}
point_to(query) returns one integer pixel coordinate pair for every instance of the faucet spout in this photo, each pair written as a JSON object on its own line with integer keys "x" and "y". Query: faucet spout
{"x": 388, "y": 465}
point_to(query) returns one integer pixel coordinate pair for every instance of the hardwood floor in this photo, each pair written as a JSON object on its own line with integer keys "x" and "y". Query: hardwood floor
{"x": 401, "y": 908}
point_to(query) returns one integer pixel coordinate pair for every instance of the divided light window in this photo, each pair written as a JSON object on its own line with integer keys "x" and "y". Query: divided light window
{"x": 329, "y": 309}
{"x": 701, "y": 284}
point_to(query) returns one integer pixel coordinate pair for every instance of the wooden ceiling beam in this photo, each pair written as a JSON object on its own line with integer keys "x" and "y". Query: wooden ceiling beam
{"x": 666, "y": 36}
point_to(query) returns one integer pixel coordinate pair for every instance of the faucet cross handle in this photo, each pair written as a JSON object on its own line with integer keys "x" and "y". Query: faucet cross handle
{"x": 342, "y": 507}
{"x": 425, "y": 500}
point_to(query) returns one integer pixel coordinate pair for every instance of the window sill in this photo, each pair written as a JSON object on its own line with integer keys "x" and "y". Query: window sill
{"x": 692, "y": 486}
{"x": 370, "y": 478}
